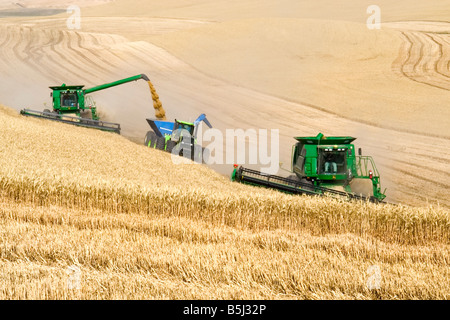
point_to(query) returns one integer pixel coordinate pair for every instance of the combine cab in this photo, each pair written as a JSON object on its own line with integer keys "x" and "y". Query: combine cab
{"x": 323, "y": 165}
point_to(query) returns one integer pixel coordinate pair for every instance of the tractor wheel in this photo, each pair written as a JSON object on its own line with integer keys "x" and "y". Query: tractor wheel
{"x": 177, "y": 150}
{"x": 160, "y": 143}
{"x": 150, "y": 139}
{"x": 197, "y": 153}
{"x": 185, "y": 150}
{"x": 190, "y": 152}
{"x": 206, "y": 153}
{"x": 170, "y": 146}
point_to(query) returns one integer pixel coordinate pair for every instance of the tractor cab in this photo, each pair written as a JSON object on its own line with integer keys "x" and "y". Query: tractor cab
{"x": 183, "y": 131}
{"x": 180, "y": 126}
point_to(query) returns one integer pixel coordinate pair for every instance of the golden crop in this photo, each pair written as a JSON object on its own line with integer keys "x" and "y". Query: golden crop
{"x": 140, "y": 227}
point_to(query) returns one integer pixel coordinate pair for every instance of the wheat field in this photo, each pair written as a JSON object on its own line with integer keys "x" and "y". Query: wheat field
{"x": 253, "y": 66}
{"x": 139, "y": 227}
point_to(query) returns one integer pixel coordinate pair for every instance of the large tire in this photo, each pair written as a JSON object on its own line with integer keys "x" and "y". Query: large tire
{"x": 150, "y": 139}
{"x": 206, "y": 153}
{"x": 177, "y": 150}
{"x": 170, "y": 146}
{"x": 160, "y": 143}
{"x": 192, "y": 152}
{"x": 197, "y": 154}
{"x": 183, "y": 150}
{"x": 189, "y": 152}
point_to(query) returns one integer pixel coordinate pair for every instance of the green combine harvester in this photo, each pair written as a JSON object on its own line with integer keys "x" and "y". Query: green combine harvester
{"x": 321, "y": 165}
{"x": 72, "y": 105}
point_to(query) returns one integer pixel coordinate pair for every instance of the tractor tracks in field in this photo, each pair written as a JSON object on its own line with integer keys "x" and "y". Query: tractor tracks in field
{"x": 81, "y": 40}
{"x": 54, "y": 52}
{"x": 425, "y": 54}
{"x": 59, "y": 53}
{"x": 4, "y": 31}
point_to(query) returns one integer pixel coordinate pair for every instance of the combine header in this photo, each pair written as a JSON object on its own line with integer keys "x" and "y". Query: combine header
{"x": 321, "y": 164}
{"x": 72, "y": 105}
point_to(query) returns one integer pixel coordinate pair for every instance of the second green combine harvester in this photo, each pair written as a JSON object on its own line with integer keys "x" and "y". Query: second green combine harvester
{"x": 321, "y": 164}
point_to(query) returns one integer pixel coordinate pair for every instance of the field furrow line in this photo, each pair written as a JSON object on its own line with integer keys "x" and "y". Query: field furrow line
{"x": 105, "y": 46}
{"x": 66, "y": 62}
{"x": 443, "y": 65}
{"x": 3, "y": 48}
{"x": 4, "y": 35}
{"x": 84, "y": 63}
{"x": 442, "y": 60}
{"x": 11, "y": 53}
{"x": 423, "y": 59}
{"x": 33, "y": 50}
{"x": 87, "y": 47}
